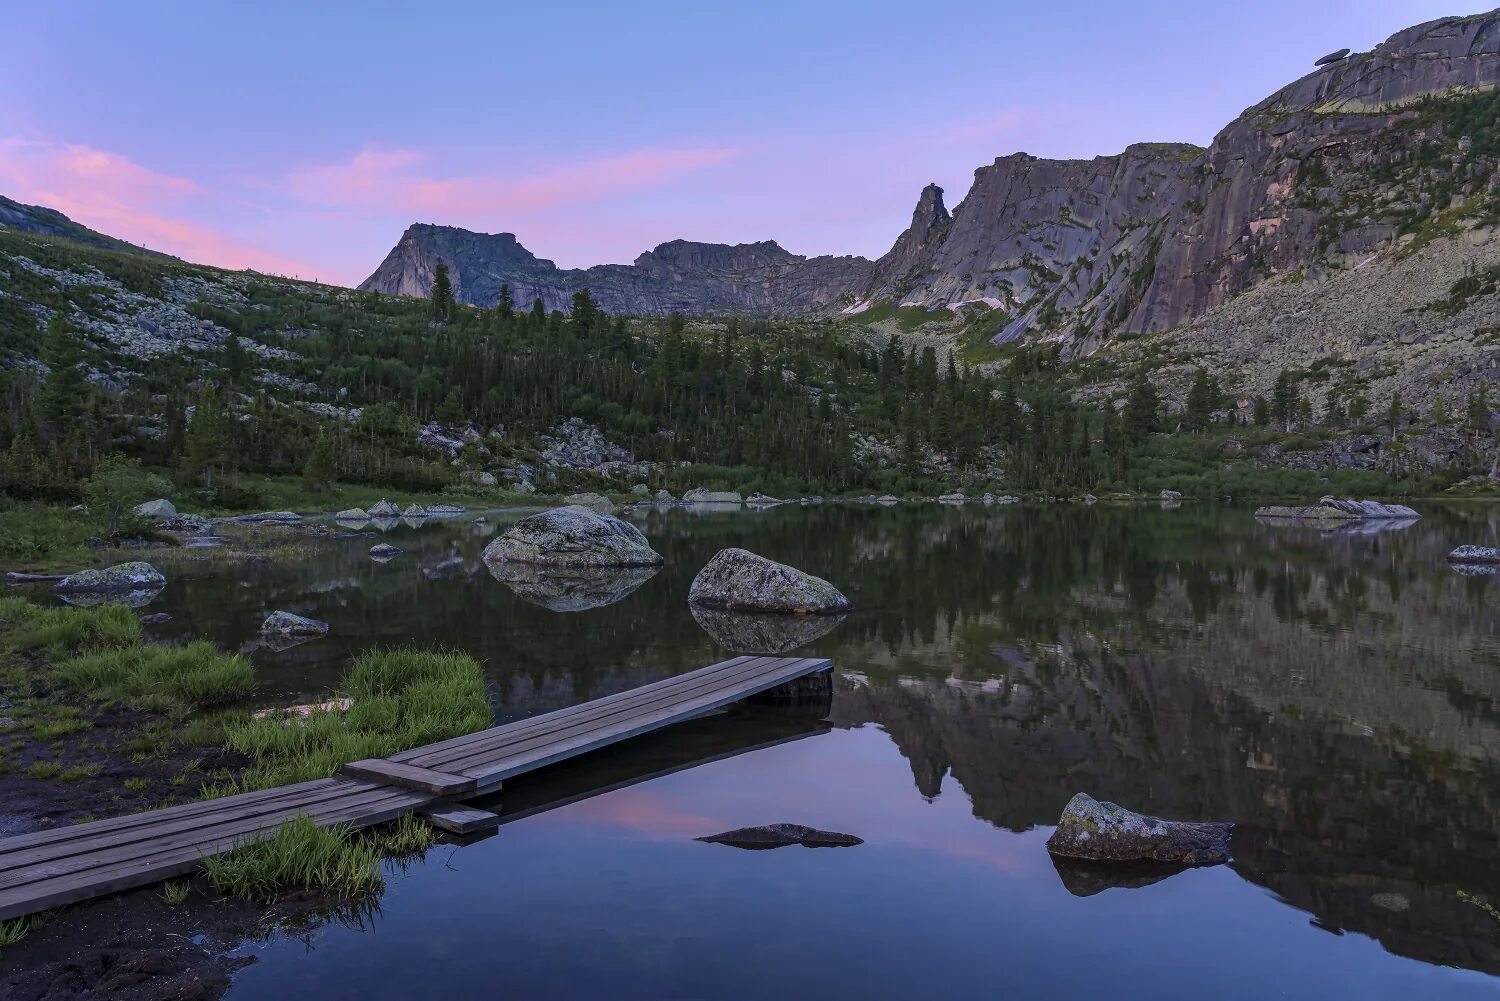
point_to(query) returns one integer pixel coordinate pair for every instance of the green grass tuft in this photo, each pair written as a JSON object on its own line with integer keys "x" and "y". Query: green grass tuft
{"x": 166, "y": 679}
{"x": 175, "y": 892}
{"x": 300, "y": 855}
{"x": 33, "y": 627}
{"x": 402, "y": 698}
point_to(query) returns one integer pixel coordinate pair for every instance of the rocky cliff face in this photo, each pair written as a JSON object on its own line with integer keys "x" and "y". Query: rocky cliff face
{"x": 1356, "y": 155}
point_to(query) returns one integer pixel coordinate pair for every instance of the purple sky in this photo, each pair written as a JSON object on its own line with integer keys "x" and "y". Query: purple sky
{"x": 303, "y": 138}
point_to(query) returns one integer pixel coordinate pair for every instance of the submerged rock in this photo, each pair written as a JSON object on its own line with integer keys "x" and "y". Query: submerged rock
{"x": 753, "y": 632}
{"x": 571, "y": 588}
{"x": 289, "y": 624}
{"x": 702, "y": 495}
{"x": 737, "y": 580}
{"x": 135, "y": 576}
{"x": 1106, "y": 832}
{"x": 448, "y": 568}
{"x": 1335, "y": 510}
{"x": 573, "y": 536}
{"x": 383, "y": 551}
{"x": 159, "y": 508}
{"x": 1474, "y": 554}
{"x": 782, "y": 836}
{"x": 155, "y": 619}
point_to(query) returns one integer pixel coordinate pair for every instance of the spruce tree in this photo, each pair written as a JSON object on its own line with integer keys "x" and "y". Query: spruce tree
{"x": 1142, "y": 409}
{"x": 505, "y": 306}
{"x": 442, "y": 294}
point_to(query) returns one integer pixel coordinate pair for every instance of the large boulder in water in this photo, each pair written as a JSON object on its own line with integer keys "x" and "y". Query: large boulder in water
{"x": 1106, "y": 832}
{"x": 737, "y": 580}
{"x": 573, "y": 537}
{"x": 136, "y": 576}
{"x": 1474, "y": 554}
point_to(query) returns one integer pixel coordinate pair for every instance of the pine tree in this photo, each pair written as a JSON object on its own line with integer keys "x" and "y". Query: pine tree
{"x": 1284, "y": 400}
{"x": 1202, "y": 400}
{"x": 64, "y": 398}
{"x": 1439, "y": 415}
{"x": 585, "y": 311}
{"x": 318, "y": 471}
{"x": 442, "y": 294}
{"x": 505, "y": 305}
{"x": 538, "y": 312}
{"x": 1142, "y": 409}
{"x": 1394, "y": 412}
{"x": 1262, "y": 411}
{"x": 206, "y": 448}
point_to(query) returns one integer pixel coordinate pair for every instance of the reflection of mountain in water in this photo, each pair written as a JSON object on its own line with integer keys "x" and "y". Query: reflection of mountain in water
{"x": 571, "y": 589}
{"x": 748, "y": 632}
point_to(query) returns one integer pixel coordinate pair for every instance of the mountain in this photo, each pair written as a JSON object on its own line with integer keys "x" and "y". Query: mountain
{"x": 50, "y": 222}
{"x": 1362, "y": 153}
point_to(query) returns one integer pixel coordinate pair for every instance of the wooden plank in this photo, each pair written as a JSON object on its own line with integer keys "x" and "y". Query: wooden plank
{"x": 457, "y": 819}
{"x": 144, "y": 871}
{"x": 644, "y": 691}
{"x": 588, "y": 713}
{"x": 549, "y": 749}
{"x": 406, "y": 776}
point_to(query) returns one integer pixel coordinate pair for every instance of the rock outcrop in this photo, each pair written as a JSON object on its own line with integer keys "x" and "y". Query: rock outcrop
{"x": 1099, "y": 831}
{"x": 737, "y": 580}
{"x": 573, "y": 537}
{"x": 159, "y": 508}
{"x": 1334, "y": 510}
{"x": 134, "y": 576}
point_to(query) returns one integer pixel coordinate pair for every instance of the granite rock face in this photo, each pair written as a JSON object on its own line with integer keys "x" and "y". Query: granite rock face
{"x": 1073, "y": 250}
{"x": 737, "y": 580}
{"x": 1090, "y": 829}
{"x": 574, "y": 537}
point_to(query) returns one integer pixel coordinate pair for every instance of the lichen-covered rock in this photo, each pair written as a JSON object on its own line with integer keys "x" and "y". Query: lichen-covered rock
{"x": 1335, "y": 509}
{"x": 414, "y": 511}
{"x": 593, "y": 500}
{"x": 383, "y": 551}
{"x": 665, "y": 497}
{"x": 737, "y": 580}
{"x": 1170, "y": 495}
{"x": 1106, "y": 832}
{"x": 782, "y": 836}
{"x": 289, "y": 624}
{"x": 759, "y": 499}
{"x": 196, "y": 524}
{"x": 571, "y": 588}
{"x": 445, "y": 510}
{"x": 159, "y": 508}
{"x": 135, "y": 576}
{"x": 383, "y": 509}
{"x": 702, "y": 495}
{"x": 573, "y": 536}
{"x": 1474, "y": 554}
{"x": 352, "y": 514}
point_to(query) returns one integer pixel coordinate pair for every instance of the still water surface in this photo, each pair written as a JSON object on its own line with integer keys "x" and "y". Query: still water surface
{"x": 1337, "y": 696}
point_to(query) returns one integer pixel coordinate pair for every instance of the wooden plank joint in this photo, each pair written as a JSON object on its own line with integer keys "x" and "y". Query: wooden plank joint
{"x": 394, "y": 773}
{"x": 457, "y": 819}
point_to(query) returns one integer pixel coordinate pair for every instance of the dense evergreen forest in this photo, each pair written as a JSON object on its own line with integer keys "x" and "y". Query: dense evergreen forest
{"x": 328, "y": 385}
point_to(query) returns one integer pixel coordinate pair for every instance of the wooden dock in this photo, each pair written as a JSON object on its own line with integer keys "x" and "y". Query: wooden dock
{"x": 47, "y": 869}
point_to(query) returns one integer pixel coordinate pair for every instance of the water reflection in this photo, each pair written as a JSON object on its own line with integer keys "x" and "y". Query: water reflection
{"x": 571, "y": 589}
{"x": 747, "y": 632}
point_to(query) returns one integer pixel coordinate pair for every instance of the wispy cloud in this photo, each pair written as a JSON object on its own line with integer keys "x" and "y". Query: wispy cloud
{"x": 117, "y": 196}
{"x": 974, "y": 131}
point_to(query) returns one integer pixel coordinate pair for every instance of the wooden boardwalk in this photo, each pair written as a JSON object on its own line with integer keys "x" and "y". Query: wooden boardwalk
{"x": 47, "y": 869}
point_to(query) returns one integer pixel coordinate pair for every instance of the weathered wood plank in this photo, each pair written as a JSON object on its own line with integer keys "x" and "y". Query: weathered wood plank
{"x": 457, "y": 819}
{"x": 588, "y": 714}
{"x": 407, "y": 776}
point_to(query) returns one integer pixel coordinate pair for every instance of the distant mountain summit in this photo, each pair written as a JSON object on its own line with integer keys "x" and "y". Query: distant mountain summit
{"x": 1365, "y": 151}
{"x": 50, "y": 222}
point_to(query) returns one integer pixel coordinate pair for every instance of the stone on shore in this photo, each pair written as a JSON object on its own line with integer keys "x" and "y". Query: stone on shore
{"x": 1474, "y": 554}
{"x": 159, "y": 508}
{"x": 782, "y": 836}
{"x": 737, "y": 580}
{"x": 665, "y": 497}
{"x": 289, "y": 624}
{"x": 573, "y": 536}
{"x": 135, "y": 576}
{"x": 1106, "y": 832}
{"x": 702, "y": 495}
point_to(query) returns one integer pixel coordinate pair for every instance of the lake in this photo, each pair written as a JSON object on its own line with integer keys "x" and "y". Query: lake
{"x": 1335, "y": 695}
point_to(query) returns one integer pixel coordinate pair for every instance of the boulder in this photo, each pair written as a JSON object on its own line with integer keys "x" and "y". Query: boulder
{"x": 737, "y": 580}
{"x": 159, "y": 508}
{"x": 702, "y": 495}
{"x": 573, "y": 536}
{"x": 155, "y": 619}
{"x": 288, "y": 624}
{"x": 665, "y": 497}
{"x": 953, "y": 498}
{"x": 1334, "y": 510}
{"x": 1474, "y": 554}
{"x": 782, "y": 836}
{"x": 414, "y": 511}
{"x": 381, "y": 552}
{"x": 759, "y": 499}
{"x": 384, "y": 509}
{"x": 445, "y": 510}
{"x": 1106, "y": 832}
{"x": 593, "y": 500}
{"x": 1332, "y": 57}
{"x": 268, "y": 518}
{"x": 195, "y": 524}
{"x": 352, "y": 514}
{"x": 480, "y": 478}
{"x": 136, "y": 576}
{"x": 523, "y": 488}
{"x": 1090, "y": 499}
{"x": 889, "y": 500}
{"x": 1171, "y": 495}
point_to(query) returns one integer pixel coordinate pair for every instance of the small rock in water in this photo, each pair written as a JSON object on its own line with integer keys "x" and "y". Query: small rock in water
{"x": 289, "y": 624}
{"x": 383, "y": 552}
{"x": 1090, "y": 829}
{"x": 782, "y": 836}
{"x": 1474, "y": 554}
{"x": 737, "y": 580}
{"x": 135, "y": 576}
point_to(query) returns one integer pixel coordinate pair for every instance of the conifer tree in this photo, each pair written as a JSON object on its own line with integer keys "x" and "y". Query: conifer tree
{"x": 505, "y": 305}
{"x": 442, "y": 294}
